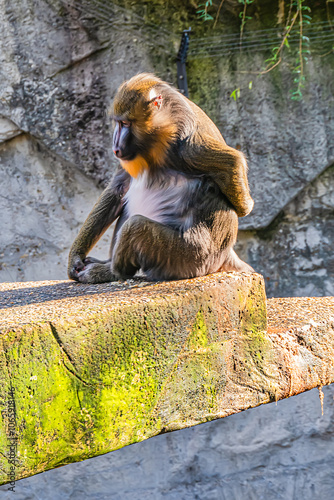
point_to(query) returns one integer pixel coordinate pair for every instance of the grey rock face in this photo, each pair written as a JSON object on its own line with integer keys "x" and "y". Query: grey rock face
{"x": 8, "y": 130}
{"x": 273, "y": 452}
{"x": 43, "y": 202}
{"x": 60, "y": 65}
{"x": 59, "y": 74}
{"x": 295, "y": 252}
{"x": 288, "y": 143}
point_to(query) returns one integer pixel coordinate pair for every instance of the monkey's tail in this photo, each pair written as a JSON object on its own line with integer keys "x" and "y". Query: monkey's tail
{"x": 233, "y": 263}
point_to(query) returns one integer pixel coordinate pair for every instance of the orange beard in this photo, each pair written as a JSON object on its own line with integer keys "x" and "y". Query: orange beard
{"x": 135, "y": 167}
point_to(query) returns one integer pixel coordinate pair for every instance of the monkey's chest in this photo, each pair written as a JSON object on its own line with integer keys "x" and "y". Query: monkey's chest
{"x": 163, "y": 201}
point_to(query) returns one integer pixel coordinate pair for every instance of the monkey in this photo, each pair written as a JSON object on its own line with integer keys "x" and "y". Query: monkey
{"x": 176, "y": 195}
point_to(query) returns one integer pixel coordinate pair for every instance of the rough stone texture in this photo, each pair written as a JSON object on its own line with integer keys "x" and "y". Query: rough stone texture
{"x": 59, "y": 69}
{"x": 92, "y": 372}
{"x": 295, "y": 252}
{"x": 43, "y": 203}
{"x": 95, "y": 368}
{"x": 59, "y": 74}
{"x": 288, "y": 143}
{"x": 62, "y": 61}
{"x": 282, "y": 451}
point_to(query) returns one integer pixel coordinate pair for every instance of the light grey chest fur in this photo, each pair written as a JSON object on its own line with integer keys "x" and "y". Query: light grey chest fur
{"x": 159, "y": 201}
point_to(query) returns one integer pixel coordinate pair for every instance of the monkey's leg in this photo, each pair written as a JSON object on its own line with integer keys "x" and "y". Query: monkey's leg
{"x": 162, "y": 252}
{"x": 93, "y": 260}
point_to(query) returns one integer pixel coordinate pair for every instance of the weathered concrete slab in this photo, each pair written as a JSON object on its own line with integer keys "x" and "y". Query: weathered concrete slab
{"x": 94, "y": 368}
{"x": 302, "y": 331}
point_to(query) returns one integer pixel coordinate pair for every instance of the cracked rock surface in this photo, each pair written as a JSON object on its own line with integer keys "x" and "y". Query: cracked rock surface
{"x": 61, "y": 63}
{"x": 95, "y": 368}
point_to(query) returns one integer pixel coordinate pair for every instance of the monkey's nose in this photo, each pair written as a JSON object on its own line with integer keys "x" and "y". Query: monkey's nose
{"x": 120, "y": 154}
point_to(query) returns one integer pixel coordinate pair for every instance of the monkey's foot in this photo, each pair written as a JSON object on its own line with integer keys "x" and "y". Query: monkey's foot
{"x": 96, "y": 272}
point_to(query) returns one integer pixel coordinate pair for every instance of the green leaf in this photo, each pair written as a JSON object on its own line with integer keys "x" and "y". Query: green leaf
{"x": 296, "y": 95}
{"x": 286, "y": 43}
{"x": 250, "y": 85}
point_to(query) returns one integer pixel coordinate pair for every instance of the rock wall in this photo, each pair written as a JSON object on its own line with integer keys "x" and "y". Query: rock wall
{"x": 295, "y": 251}
{"x": 43, "y": 202}
{"x": 61, "y": 63}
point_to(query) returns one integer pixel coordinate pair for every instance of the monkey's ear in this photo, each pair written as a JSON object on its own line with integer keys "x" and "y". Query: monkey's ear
{"x": 155, "y": 99}
{"x": 158, "y": 101}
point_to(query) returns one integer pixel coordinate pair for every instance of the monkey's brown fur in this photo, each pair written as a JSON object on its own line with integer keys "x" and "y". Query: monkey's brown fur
{"x": 193, "y": 184}
{"x": 180, "y": 122}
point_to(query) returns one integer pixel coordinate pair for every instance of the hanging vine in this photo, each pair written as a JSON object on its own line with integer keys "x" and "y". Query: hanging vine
{"x": 244, "y": 17}
{"x": 298, "y": 16}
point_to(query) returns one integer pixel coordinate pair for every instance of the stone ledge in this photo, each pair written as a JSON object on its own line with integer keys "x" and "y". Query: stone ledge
{"x": 95, "y": 368}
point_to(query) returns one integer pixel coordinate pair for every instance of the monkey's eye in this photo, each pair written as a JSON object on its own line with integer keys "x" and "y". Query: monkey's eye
{"x": 126, "y": 124}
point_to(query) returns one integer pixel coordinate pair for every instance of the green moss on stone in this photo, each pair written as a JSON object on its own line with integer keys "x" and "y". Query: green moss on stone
{"x": 198, "y": 337}
{"x": 86, "y": 387}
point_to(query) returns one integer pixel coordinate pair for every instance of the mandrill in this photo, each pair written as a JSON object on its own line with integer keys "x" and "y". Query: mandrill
{"x": 176, "y": 195}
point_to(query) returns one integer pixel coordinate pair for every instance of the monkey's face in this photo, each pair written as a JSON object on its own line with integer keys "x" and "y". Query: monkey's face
{"x": 135, "y": 133}
{"x": 132, "y": 143}
{"x": 132, "y": 117}
{"x": 143, "y": 125}
{"x": 124, "y": 144}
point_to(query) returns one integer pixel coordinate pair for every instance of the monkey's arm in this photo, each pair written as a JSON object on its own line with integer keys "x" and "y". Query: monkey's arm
{"x": 225, "y": 165}
{"x": 107, "y": 208}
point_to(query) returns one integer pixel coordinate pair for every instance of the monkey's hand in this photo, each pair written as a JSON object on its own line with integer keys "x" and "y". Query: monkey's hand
{"x": 107, "y": 208}
{"x": 75, "y": 265}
